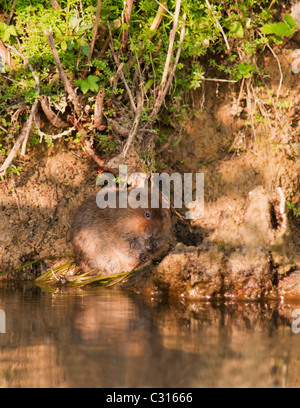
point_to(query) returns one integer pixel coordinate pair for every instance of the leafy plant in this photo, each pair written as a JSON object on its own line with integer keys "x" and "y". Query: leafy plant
{"x": 282, "y": 29}
{"x": 291, "y": 206}
{"x": 247, "y": 26}
{"x": 88, "y": 84}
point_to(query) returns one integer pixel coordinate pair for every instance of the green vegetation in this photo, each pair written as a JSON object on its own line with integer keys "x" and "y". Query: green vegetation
{"x": 125, "y": 54}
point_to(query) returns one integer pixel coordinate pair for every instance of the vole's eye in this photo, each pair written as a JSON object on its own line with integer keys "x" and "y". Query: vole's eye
{"x": 147, "y": 215}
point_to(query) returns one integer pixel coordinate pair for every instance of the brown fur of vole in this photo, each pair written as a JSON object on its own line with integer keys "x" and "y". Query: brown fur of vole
{"x": 115, "y": 240}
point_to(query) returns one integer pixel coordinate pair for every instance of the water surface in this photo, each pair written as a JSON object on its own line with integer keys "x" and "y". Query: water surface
{"x": 96, "y": 337}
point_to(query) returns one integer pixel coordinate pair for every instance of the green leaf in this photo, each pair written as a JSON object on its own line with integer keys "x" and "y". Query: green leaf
{"x": 6, "y": 31}
{"x": 83, "y": 84}
{"x": 63, "y": 45}
{"x": 92, "y": 80}
{"x": 291, "y": 22}
{"x": 83, "y": 28}
{"x": 86, "y": 49}
{"x": 281, "y": 29}
{"x": 88, "y": 84}
{"x": 11, "y": 30}
{"x": 245, "y": 70}
{"x": 70, "y": 45}
{"x": 237, "y": 29}
{"x": 74, "y": 21}
{"x": 176, "y": 142}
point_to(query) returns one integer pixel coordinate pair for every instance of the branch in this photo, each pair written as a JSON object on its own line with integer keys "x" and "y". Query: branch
{"x": 159, "y": 99}
{"x": 51, "y": 116}
{"x": 172, "y": 74}
{"x": 53, "y": 137}
{"x": 117, "y": 62}
{"x": 121, "y": 130}
{"x": 98, "y": 116}
{"x": 159, "y": 16}
{"x": 127, "y": 17}
{"x": 218, "y": 25}
{"x": 29, "y": 126}
{"x": 12, "y": 10}
{"x": 23, "y": 136}
{"x": 95, "y": 32}
{"x": 279, "y": 66}
{"x": 135, "y": 125}
{"x": 101, "y": 163}
{"x": 62, "y": 73}
{"x": 116, "y": 161}
{"x": 36, "y": 78}
{"x": 55, "y": 4}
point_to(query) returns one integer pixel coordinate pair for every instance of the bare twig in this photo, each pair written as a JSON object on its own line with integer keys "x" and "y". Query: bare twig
{"x": 117, "y": 62}
{"x": 218, "y": 25}
{"x": 53, "y": 137}
{"x": 127, "y": 17}
{"x": 163, "y": 6}
{"x": 62, "y": 73}
{"x": 36, "y": 78}
{"x": 116, "y": 161}
{"x": 29, "y": 126}
{"x": 159, "y": 99}
{"x": 101, "y": 163}
{"x": 135, "y": 125}
{"x": 98, "y": 116}
{"x": 219, "y": 80}
{"x": 279, "y": 66}
{"x": 250, "y": 107}
{"x": 176, "y": 59}
{"x": 55, "y": 4}
{"x": 95, "y": 32}
{"x": 121, "y": 130}
{"x": 12, "y": 10}
{"x": 51, "y": 116}
{"x": 23, "y": 135}
{"x": 114, "y": 80}
{"x": 159, "y": 15}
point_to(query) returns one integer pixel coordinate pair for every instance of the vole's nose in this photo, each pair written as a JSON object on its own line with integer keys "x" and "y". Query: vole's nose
{"x": 149, "y": 246}
{"x": 152, "y": 244}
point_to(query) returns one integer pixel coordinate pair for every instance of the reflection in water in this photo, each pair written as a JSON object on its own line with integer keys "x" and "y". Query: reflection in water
{"x": 104, "y": 338}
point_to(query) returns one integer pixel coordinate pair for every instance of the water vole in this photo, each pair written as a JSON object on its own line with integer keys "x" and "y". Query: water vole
{"x": 115, "y": 240}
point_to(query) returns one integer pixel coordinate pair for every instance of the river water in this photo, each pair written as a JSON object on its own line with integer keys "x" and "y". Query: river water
{"x": 96, "y": 337}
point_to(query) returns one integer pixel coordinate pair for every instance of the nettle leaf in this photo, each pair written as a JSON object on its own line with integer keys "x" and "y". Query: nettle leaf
{"x": 291, "y": 21}
{"x": 280, "y": 29}
{"x": 83, "y": 84}
{"x": 92, "y": 80}
{"x": 88, "y": 84}
{"x": 6, "y": 31}
{"x": 86, "y": 49}
{"x": 11, "y": 30}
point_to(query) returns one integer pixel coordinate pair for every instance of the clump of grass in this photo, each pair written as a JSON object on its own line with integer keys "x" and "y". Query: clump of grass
{"x": 61, "y": 275}
{"x": 69, "y": 274}
{"x": 31, "y": 263}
